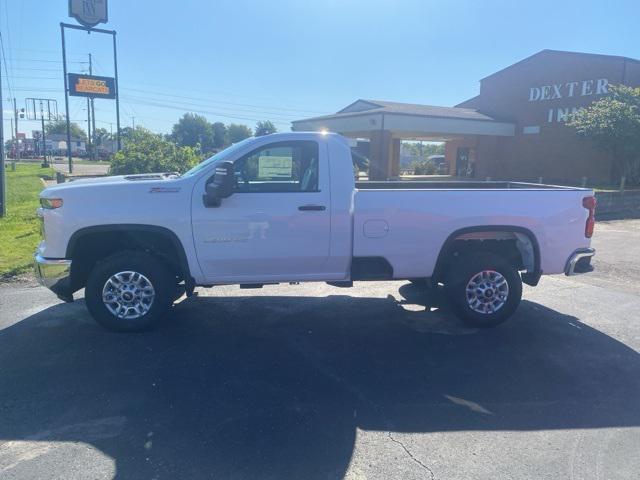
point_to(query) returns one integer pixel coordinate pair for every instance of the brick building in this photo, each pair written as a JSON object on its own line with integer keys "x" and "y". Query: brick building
{"x": 514, "y": 129}
{"x": 536, "y": 95}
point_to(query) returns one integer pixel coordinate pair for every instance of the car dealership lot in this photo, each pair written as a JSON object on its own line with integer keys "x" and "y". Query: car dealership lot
{"x": 314, "y": 381}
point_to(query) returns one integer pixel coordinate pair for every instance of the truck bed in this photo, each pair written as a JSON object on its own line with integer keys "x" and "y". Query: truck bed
{"x": 409, "y": 222}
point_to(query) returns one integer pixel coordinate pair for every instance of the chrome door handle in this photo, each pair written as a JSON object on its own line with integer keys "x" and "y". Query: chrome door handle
{"x": 306, "y": 208}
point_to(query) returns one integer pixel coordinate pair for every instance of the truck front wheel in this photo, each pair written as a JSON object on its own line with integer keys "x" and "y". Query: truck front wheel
{"x": 484, "y": 290}
{"x": 129, "y": 291}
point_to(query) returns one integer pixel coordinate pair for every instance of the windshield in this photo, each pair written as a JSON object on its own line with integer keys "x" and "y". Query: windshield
{"x": 222, "y": 155}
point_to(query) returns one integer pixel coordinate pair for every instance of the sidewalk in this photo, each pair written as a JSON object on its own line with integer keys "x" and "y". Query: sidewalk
{"x": 82, "y": 169}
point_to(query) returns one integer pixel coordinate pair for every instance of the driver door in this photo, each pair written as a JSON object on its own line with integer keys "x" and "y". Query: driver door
{"x": 276, "y": 224}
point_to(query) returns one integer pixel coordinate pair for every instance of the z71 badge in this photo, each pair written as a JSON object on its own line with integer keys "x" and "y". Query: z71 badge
{"x": 164, "y": 190}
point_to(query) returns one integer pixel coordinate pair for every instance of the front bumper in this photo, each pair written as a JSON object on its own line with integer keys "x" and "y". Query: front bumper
{"x": 579, "y": 261}
{"x": 55, "y": 274}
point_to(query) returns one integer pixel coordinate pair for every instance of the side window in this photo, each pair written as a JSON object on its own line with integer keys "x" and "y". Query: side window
{"x": 279, "y": 167}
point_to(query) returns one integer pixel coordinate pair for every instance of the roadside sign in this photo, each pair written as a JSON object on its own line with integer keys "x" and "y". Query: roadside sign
{"x": 91, "y": 86}
{"x": 41, "y": 109}
{"x": 89, "y": 12}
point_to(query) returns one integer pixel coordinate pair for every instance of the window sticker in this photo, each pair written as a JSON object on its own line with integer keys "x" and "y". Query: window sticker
{"x": 275, "y": 167}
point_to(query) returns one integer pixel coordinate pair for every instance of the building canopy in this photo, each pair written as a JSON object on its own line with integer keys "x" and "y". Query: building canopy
{"x": 405, "y": 121}
{"x": 385, "y": 124}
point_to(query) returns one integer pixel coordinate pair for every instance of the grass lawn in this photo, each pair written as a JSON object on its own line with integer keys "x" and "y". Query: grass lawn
{"x": 19, "y": 230}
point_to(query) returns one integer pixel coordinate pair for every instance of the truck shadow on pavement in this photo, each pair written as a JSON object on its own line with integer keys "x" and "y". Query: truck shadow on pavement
{"x": 277, "y": 387}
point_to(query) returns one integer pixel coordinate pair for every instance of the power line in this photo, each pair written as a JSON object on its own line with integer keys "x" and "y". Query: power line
{"x": 4, "y": 56}
{"x": 35, "y": 89}
{"x": 59, "y": 70}
{"x": 219, "y": 101}
{"x": 38, "y": 60}
{"x": 198, "y": 91}
{"x": 262, "y": 109}
{"x": 190, "y": 105}
{"x": 6, "y": 16}
{"x": 206, "y": 112}
{"x": 52, "y": 52}
{"x": 34, "y": 78}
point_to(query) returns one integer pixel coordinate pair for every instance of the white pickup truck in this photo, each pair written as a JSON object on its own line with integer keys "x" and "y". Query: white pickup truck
{"x": 286, "y": 208}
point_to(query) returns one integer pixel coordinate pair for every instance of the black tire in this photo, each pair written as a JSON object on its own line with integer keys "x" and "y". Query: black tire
{"x": 162, "y": 282}
{"x": 463, "y": 270}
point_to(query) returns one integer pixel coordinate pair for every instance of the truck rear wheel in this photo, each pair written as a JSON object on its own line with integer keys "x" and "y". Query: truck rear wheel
{"x": 484, "y": 290}
{"x": 129, "y": 291}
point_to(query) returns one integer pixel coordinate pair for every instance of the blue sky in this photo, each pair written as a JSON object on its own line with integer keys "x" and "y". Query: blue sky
{"x": 244, "y": 60}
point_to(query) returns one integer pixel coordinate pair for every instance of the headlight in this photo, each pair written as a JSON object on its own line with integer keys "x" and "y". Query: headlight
{"x": 51, "y": 203}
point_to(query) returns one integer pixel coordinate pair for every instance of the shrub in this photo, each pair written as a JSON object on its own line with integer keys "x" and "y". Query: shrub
{"x": 147, "y": 152}
{"x": 424, "y": 167}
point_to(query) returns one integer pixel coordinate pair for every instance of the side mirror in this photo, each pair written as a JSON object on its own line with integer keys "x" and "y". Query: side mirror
{"x": 221, "y": 186}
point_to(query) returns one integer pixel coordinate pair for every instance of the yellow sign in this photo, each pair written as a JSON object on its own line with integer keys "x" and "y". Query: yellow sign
{"x": 91, "y": 86}
{"x": 88, "y": 85}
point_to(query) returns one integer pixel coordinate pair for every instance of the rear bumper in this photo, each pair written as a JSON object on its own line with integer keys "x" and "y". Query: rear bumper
{"x": 55, "y": 274}
{"x": 579, "y": 261}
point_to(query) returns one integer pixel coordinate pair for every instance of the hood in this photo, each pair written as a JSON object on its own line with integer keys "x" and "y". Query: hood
{"x": 143, "y": 178}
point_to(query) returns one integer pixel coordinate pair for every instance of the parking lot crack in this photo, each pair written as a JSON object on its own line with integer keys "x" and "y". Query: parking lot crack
{"x": 411, "y": 456}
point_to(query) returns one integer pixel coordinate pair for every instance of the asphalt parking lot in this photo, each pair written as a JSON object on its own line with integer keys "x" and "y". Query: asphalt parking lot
{"x": 314, "y": 381}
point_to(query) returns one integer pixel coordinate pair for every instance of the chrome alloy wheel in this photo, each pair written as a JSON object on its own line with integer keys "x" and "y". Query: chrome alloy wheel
{"x": 128, "y": 295}
{"x": 487, "y": 292}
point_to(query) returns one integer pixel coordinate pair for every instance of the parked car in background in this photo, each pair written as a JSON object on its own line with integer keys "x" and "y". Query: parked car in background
{"x": 442, "y": 167}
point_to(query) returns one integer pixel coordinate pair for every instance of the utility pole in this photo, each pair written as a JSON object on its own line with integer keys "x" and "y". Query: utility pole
{"x": 66, "y": 97}
{"x": 89, "y": 125}
{"x": 14, "y": 143}
{"x": 133, "y": 122}
{"x": 16, "y": 157}
{"x": 111, "y": 140}
{"x": 3, "y": 185}
{"x": 89, "y": 142}
{"x": 13, "y": 137}
{"x": 44, "y": 138}
{"x": 93, "y": 116}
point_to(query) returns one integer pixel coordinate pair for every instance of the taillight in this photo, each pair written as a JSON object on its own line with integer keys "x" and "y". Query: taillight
{"x": 590, "y": 204}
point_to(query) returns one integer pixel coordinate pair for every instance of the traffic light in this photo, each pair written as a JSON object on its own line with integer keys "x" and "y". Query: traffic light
{"x": 21, "y": 113}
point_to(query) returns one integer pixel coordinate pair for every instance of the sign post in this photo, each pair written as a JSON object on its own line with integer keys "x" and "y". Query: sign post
{"x": 3, "y": 193}
{"x": 89, "y": 13}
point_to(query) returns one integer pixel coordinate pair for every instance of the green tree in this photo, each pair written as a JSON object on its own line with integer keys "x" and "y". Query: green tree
{"x": 193, "y": 130}
{"x": 613, "y": 124}
{"x": 126, "y": 133}
{"x": 265, "y": 127}
{"x": 427, "y": 148}
{"x": 237, "y": 133}
{"x": 60, "y": 126}
{"x": 147, "y": 152}
{"x": 100, "y": 136}
{"x": 219, "y": 134}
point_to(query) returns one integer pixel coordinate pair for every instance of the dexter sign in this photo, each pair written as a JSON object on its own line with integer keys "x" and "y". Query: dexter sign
{"x": 91, "y": 86}
{"x": 584, "y": 88}
{"x": 565, "y": 90}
